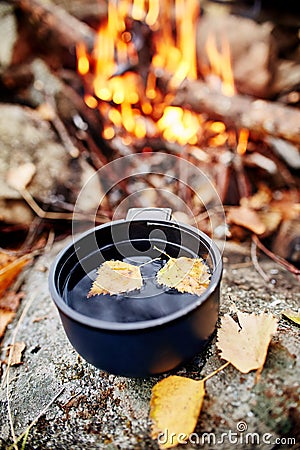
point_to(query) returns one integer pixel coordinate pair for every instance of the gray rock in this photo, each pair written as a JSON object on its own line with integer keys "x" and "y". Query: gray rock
{"x": 26, "y": 138}
{"x": 97, "y": 410}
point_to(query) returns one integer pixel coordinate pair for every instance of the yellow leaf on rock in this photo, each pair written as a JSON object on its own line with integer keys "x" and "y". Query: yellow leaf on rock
{"x": 292, "y": 315}
{"x": 244, "y": 343}
{"x": 174, "y": 409}
{"x": 189, "y": 275}
{"x": 116, "y": 277}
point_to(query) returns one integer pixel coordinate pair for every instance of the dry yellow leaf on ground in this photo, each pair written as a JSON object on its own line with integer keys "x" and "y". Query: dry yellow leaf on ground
{"x": 244, "y": 343}
{"x": 292, "y": 315}
{"x": 116, "y": 277}
{"x": 16, "y": 351}
{"x": 189, "y": 275}
{"x": 174, "y": 409}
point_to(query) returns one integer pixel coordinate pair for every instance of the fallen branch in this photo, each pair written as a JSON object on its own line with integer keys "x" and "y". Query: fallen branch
{"x": 52, "y": 23}
{"x": 256, "y": 264}
{"x": 283, "y": 262}
{"x": 273, "y": 119}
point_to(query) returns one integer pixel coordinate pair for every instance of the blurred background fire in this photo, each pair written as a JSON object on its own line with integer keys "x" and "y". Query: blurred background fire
{"x": 87, "y": 82}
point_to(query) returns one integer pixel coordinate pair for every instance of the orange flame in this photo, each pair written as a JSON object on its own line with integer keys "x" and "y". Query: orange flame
{"x": 179, "y": 125}
{"x": 133, "y": 106}
{"x": 220, "y": 63}
{"x": 153, "y": 13}
{"x": 83, "y": 64}
{"x": 242, "y": 141}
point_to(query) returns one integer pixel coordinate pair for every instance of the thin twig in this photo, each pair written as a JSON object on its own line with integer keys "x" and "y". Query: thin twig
{"x": 283, "y": 262}
{"x": 32, "y": 233}
{"x": 149, "y": 262}
{"x": 11, "y": 424}
{"x": 215, "y": 372}
{"x": 58, "y": 215}
{"x": 24, "y": 312}
{"x": 25, "y": 439}
{"x": 50, "y": 241}
{"x": 256, "y": 264}
{"x": 37, "y": 418}
{"x": 6, "y": 375}
{"x": 61, "y": 129}
{"x": 161, "y": 251}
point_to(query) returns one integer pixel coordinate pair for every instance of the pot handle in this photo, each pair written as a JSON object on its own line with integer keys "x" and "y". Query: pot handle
{"x": 149, "y": 214}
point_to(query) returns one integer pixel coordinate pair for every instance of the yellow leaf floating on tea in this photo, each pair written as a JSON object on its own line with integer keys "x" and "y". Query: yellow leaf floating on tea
{"x": 245, "y": 343}
{"x": 292, "y": 315}
{"x": 174, "y": 409}
{"x": 116, "y": 277}
{"x": 189, "y": 275}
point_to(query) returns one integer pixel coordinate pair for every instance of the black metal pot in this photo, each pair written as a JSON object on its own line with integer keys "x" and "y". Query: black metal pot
{"x": 136, "y": 334}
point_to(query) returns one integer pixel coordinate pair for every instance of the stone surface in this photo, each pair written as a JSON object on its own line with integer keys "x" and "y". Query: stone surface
{"x": 97, "y": 410}
{"x": 26, "y": 138}
{"x": 8, "y": 34}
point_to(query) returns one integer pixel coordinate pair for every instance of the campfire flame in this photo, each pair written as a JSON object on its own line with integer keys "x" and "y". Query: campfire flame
{"x": 125, "y": 88}
{"x": 220, "y": 64}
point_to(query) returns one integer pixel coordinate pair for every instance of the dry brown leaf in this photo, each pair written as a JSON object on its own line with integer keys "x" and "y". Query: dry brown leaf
{"x": 11, "y": 266}
{"x": 116, "y": 277}
{"x": 5, "y": 318}
{"x": 245, "y": 343}
{"x": 247, "y": 218}
{"x": 19, "y": 177}
{"x": 10, "y": 300}
{"x": 259, "y": 200}
{"x": 292, "y": 315}
{"x": 189, "y": 275}
{"x": 174, "y": 409}
{"x": 16, "y": 350}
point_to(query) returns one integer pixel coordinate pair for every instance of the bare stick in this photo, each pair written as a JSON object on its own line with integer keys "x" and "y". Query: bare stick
{"x": 283, "y": 262}
{"x": 58, "y": 215}
{"x": 61, "y": 129}
{"x": 6, "y": 375}
{"x": 25, "y": 433}
{"x": 256, "y": 264}
{"x": 161, "y": 251}
{"x": 215, "y": 372}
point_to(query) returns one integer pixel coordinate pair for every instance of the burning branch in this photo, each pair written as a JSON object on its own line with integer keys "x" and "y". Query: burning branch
{"x": 241, "y": 111}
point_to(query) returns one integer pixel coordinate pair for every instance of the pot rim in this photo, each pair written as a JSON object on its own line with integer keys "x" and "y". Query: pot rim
{"x": 104, "y": 325}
